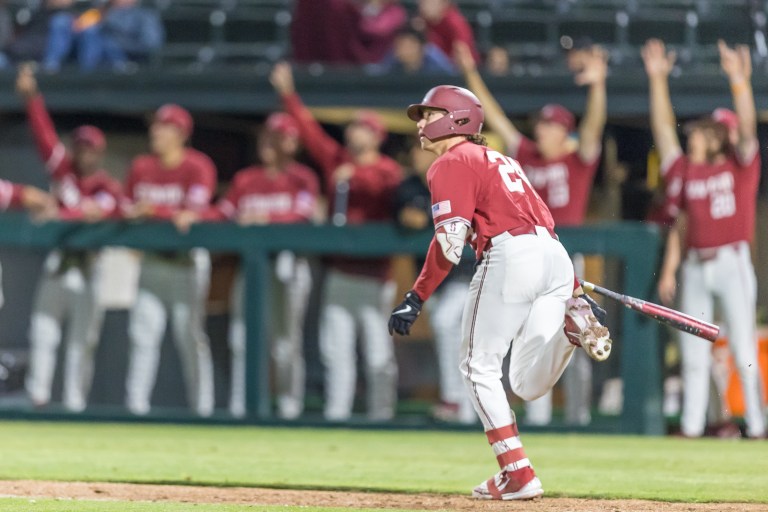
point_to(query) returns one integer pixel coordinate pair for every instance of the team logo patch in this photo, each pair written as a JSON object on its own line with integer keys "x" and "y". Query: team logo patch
{"x": 441, "y": 208}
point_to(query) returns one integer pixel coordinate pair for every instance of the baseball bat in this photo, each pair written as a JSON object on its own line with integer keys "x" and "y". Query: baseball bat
{"x": 664, "y": 315}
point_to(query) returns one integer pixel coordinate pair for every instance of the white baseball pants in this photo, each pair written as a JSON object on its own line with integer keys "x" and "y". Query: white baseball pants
{"x": 291, "y": 284}
{"x": 519, "y": 293}
{"x": 355, "y": 304}
{"x": 67, "y": 297}
{"x": 179, "y": 288}
{"x": 729, "y": 277}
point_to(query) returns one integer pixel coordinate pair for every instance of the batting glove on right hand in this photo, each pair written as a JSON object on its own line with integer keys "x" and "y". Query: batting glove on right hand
{"x": 599, "y": 312}
{"x": 405, "y": 314}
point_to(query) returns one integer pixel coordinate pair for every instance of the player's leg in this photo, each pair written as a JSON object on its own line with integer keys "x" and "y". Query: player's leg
{"x": 337, "y": 347}
{"x": 445, "y": 316}
{"x": 374, "y": 304}
{"x": 146, "y": 327}
{"x": 237, "y": 349}
{"x": 192, "y": 343}
{"x": 736, "y": 286}
{"x": 44, "y": 337}
{"x": 86, "y": 315}
{"x": 695, "y": 355}
{"x": 295, "y": 283}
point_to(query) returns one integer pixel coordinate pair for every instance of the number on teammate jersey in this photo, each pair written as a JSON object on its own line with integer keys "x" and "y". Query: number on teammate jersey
{"x": 511, "y": 173}
{"x": 722, "y": 205}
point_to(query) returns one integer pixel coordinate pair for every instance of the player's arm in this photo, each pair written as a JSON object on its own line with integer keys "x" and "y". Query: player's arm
{"x": 495, "y": 117}
{"x": 667, "y": 286}
{"x": 592, "y": 72}
{"x": 321, "y": 146}
{"x": 658, "y": 64}
{"x": 198, "y": 195}
{"x": 737, "y": 65}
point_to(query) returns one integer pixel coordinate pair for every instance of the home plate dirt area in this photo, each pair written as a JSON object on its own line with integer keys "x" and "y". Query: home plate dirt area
{"x": 353, "y": 500}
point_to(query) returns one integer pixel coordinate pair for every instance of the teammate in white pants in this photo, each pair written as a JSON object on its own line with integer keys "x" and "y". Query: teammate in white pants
{"x": 521, "y": 290}
{"x": 279, "y": 190}
{"x": 712, "y": 190}
{"x": 174, "y": 182}
{"x": 67, "y": 289}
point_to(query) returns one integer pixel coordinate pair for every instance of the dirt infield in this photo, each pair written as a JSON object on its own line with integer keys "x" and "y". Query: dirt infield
{"x": 353, "y": 500}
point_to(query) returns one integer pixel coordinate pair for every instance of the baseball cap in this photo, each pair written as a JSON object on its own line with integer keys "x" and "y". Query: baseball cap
{"x": 89, "y": 135}
{"x": 372, "y": 120}
{"x": 175, "y": 115}
{"x": 282, "y": 123}
{"x": 726, "y": 117}
{"x": 554, "y": 113}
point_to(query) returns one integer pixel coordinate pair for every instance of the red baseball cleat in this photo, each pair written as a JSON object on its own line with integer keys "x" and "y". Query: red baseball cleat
{"x": 504, "y": 486}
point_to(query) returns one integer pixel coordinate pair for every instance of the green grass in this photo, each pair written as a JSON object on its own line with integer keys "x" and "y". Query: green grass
{"x": 667, "y": 469}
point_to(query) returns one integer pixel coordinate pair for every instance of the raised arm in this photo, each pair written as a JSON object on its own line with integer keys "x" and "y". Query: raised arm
{"x": 658, "y": 64}
{"x": 495, "y": 117}
{"x": 737, "y": 65}
{"x": 592, "y": 71}
{"x": 667, "y": 286}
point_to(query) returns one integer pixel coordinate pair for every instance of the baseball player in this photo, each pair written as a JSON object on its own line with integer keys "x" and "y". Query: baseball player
{"x": 67, "y": 292}
{"x": 523, "y": 286}
{"x": 712, "y": 192}
{"x": 175, "y": 183}
{"x": 280, "y": 190}
{"x": 561, "y": 170}
{"x": 358, "y": 292}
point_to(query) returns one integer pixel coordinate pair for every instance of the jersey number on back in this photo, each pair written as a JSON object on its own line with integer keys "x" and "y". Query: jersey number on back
{"x": 511, "y": 173}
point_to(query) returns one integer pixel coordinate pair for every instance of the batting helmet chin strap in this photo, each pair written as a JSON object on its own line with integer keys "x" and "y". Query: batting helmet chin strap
{"x": 452, "y": 123}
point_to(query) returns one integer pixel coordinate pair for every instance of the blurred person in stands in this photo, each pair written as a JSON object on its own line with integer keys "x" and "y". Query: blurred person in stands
{"x": 6, "y": 32}
{"x": 173, "y": 182}
{"x": 380, "y": 21}
{"x": 411, "y": 54}
{"x": 561, "y": 170}
{"x": 278, "y": 190}
{"x": 67, "y": 291}
{"x": 444, "y": 26}
{"x": 711, "y": 193}
{"x": 120, "y": 34}
{"x": 32, "y": 41}
{"x": 360, "y": 183}
{"x": 413, "y": 211}
{"x": 497, "y": 61}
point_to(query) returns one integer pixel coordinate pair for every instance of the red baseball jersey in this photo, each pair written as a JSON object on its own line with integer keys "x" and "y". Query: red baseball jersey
{"x": 485, "y": 190}
{"x": 720, "y": 199}
{"x": 10, "y": 195}
{"x": 68, "y": 186}
{"x": 287, "y": 197}
{"x": 188, "y": 186}
{"x": 451, "y": 28}
{"x": 564, "y": 183}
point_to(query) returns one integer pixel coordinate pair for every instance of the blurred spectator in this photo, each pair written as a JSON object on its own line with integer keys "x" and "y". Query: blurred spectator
{"x": 497, "y": 61}
{"x": 445, "y": 25}
{"x": 358, "y": 292}
{"x": 378, "y": 25}
{"x": 413, "y": 210}
{"x": 175, "y": 183}
{"x": 279, "y": 190}
{"x": 123, "y": 32}
{"x": 67, "y": 292}
{"x": 316, "y": 35}
{"x": 411, "y": 53}
{"x": 31, "y": 42}
{"x": 6, "y": 32}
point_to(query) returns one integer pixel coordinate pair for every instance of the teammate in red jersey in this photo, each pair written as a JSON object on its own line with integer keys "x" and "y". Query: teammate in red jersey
{"x": 174, "y": 183}
{"x": 360, "y": 183}
{"x": 67, "y": 292}
{"x": 561, "y": 171}
{"x": 521, "y": 290}
{"x": 278, "y": 191}
{"x": 712, "y": 192}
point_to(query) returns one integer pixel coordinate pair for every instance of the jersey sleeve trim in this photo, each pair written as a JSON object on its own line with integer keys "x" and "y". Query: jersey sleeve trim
{"x": 451, "y": 220}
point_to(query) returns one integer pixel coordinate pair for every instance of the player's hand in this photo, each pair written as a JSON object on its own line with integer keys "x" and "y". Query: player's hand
{"x": 91, "y": 210}
{"x": 667, "y": 288}
{"x": 26, "y": 83}
{"x": 251, "y": 218}
{"x": 599, "y": 312}
{"x": 405, "y": 314}
{"x": 463, "y": 57}
{"x": 281, "y": 79}
{"x": 40, "y": 204}
{"x": 140, "y": 210}
{"x": 658, "y": 61}
{"x": 344, "y": 172}
{"x": 184, "y": 219}
{"x": 591, "y": 66}
{"x": 735, "y": 62}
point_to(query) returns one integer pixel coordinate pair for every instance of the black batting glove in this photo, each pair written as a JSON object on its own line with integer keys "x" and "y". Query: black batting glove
{"x": 599, "y": 312}
{"x": 405, "y": 314}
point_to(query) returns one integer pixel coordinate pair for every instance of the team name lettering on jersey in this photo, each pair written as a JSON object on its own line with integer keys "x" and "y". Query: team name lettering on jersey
{"x": 553, "y": 178}
{"x": 171, "y": 194}
{"x": 267, "y": 203}
{"x": 720, "y": 190}
{"x": 67, "y": 192}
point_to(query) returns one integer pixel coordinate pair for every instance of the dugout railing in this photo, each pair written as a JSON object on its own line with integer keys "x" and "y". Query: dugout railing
{"x": 634, "y": 246}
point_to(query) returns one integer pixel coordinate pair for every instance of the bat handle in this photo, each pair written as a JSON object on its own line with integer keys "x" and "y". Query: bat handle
{"x": 588, "y": 287}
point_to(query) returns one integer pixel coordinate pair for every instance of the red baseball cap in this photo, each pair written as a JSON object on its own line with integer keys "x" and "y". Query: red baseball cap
{"x": 177, "y": 116}
{"x": 371, "y": 120}
{"x": 726, "y": 117}
{"x": 89, "y": 135}
{"x": 282, "y": 123}
{"x": 554, "y": 113}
